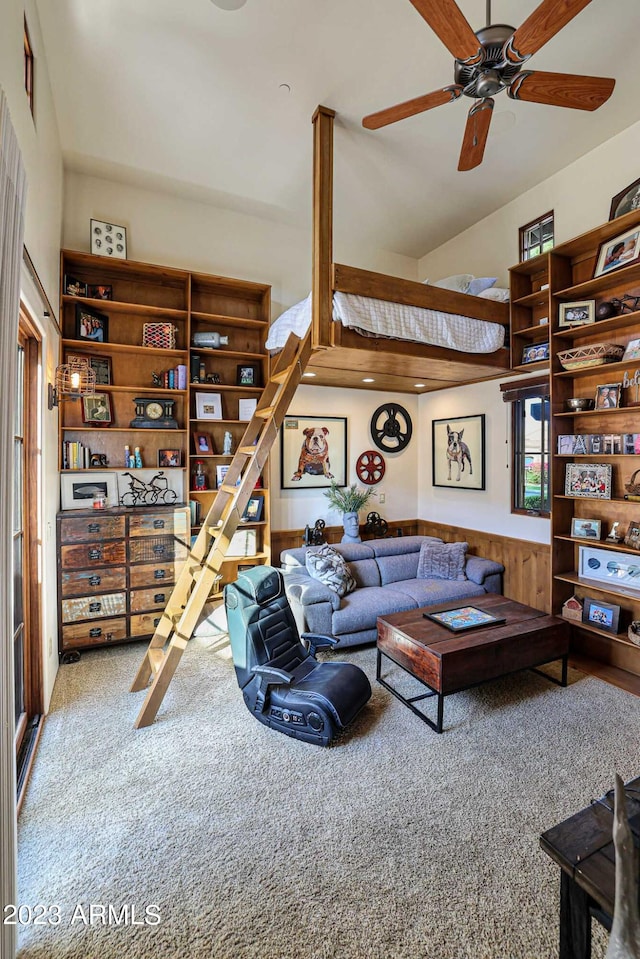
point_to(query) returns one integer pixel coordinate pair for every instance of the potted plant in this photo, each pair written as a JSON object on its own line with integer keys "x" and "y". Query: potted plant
{"x": 349, "y": 500}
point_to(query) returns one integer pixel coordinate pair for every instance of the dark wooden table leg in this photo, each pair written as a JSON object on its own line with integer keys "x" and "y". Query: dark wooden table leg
{"x": 565, "y": 662}
{"x": 575, "y": 921}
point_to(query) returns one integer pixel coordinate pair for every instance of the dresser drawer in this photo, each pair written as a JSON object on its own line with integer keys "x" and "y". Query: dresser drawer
{"x": 157, "y": 524}
{"x": 144, "y": 624}
{"x": 144, "y": 599}
{"x": 93, "y": 554}
{"x": 151, "y": 575}
{"x": 80, "y": 582}
{"x": 93, "y": 607}
{"x": 93, "y": 528}
{"x": 94, "y": 634}
{"x": 152, "y": 549}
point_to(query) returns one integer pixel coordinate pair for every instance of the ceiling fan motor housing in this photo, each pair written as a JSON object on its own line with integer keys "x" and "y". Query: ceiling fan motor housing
{"x": 493, "y": 74}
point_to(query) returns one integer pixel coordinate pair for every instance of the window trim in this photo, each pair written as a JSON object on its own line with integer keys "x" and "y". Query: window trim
{"x": 514, "y": 392}
{"x": 523, "y": 230}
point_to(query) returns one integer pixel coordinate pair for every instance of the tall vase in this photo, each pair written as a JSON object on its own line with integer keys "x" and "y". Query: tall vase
{"x": 351, "y": 528}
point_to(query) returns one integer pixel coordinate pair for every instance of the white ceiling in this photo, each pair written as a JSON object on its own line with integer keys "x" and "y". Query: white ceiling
{"x": 182, "y": 95}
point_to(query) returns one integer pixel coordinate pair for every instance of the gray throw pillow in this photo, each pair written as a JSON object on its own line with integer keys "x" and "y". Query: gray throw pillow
{"x": 442, "y": 561}
{"x": 327, "y": 565}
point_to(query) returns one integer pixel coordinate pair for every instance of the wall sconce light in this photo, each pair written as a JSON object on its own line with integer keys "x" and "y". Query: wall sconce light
{"x": 73, "y": 379}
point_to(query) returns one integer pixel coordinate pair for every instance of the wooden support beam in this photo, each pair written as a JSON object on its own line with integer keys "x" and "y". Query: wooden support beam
{"x": 322, "y": 291}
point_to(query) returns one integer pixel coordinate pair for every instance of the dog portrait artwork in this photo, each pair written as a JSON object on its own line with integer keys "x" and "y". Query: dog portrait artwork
{"x": 457, "y": 453}
{"x": 314, "y": 455}
{"x": 313, "y": 452}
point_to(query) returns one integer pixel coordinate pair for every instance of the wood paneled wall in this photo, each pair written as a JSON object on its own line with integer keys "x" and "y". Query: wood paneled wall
{"x": 526, "y": 577}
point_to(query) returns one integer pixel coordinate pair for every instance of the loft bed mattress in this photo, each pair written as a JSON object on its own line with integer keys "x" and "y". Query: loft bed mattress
{"x": 395, "y": 321}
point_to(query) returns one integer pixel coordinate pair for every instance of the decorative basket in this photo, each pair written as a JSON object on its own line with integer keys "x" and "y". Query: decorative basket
{"x": 596, "y": 355}
{"x": 633, "y": 487}
{"x": 160, "y": 335}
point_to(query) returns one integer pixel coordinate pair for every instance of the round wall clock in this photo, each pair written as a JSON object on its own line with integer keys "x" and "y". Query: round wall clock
{"x": 391, "y": 428}
{"x": 154, "y": 412}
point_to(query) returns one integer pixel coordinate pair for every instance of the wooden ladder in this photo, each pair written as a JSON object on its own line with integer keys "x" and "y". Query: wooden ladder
{"x": 202, "y": 569}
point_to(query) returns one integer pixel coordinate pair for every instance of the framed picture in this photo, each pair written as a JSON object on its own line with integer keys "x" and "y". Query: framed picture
{"x": 99, "y": 291}
{"x": 253, "y": 510}
{"x": 588, "y": 479}
{"x": 169, "y": 457}
{"x": 586, "y": 528}
{"x": 108, "y": 239}
{"x": 579, "y": 313}
{"x": 632, "y": 350}
{"x": 604, "y": 616}
{"x": 77, "y": 490}
{"x": 620, "y": 251}
{"x": 73, "y": 287}
{"x": 458, "y": 452}
{"x": 208, "y": 406}
{"x": 608, "y": 567}
{"x": 249, "y": 374}
{"x": 101, "y": 366}
{"x": 466, "y": 617}
{"x": 535, "y": 353}
{"x": 91, "y": 325}
{"x": 608, "y": 396}
{"x": 96, "y": 408}
{"x": 313, "y": 452}
{"x": 246, "y": 408}
{"x": 625, "y": 201}
{"x": 203, "y": 444}
{"x": 632, "y": 536}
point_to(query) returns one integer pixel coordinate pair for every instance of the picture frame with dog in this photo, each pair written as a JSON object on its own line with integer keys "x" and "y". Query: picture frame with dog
{"x": 313, "y": 452}
{"x": 458, "y": 452}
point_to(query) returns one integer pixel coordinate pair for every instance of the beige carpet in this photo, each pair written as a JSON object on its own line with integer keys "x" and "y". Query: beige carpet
{"x": 393, "y": 843}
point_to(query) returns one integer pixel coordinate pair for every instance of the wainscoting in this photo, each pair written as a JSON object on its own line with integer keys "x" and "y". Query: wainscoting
{"x": 527, "y": 564}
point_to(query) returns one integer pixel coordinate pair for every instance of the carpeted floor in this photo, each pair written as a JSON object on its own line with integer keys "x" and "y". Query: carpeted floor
{"x": 393, "y": 843}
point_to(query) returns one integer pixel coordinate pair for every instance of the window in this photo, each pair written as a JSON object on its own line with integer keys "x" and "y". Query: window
{"x": 536, "y": 237}
{"x": 28, "y": 66}
{"x": 529, "y": 401}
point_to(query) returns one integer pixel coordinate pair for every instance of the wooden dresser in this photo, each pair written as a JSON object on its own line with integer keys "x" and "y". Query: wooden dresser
{"x": 116, "y": 570}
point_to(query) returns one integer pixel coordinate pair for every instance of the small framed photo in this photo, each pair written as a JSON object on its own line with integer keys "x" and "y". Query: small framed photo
{"x": 73, "y": 286}
{"x": 249, "y": 374}
{"x": 96, "y": 408}
{"x": 604, "y": 616}
{"x": 253, "y": 510}
{"x": 621, "y": 251}
{"x": 108, "y": 239}
{"x": 592, "y": 480}
{"x": 632, "y": 536}
{"x": 579, "y": 313}
{"x": 78, "y": 490}
{"x": 632, "y": 351}
{"x": 208, "y": 406}
{"x": 100, "y": 291}
{"x": 625, "y": 201}
{"x": 586, "y": 528}
{"x": 101, "y": 366}
{"x": 535, "y": 353}
{"x": 608, "y": 396}
{"x": 203, "y": 444}
{"x": 169, "y": 457}
{"x": 91, "y": 325}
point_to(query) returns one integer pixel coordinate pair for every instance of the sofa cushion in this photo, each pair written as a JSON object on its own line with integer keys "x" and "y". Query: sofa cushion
{"x": 442, "y": 561}
{"x": 426, "y": 592}
{"x": 360, "y": 610}
{"x": 327, "y": 565}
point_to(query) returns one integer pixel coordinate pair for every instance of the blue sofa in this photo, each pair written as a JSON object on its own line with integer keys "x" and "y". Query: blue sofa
{"x": 385, "y": 571}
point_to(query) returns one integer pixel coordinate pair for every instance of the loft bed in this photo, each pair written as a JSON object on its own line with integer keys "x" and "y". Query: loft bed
{"x": 341, "y": 356}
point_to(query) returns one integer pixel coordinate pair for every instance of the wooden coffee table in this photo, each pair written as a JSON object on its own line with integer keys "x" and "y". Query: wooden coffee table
{"x": 447, "y": 662}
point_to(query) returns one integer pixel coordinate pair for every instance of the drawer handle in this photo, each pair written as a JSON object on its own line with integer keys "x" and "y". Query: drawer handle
{"x": 95, "y": 632}
{"x": 94, "y": 580}
{"x": 158, "y": 524}
{"x": 159, "y": 573}
{"x": 95, "y": 607}
{"x": 156, "y": 621}
{"x": 95, "y": 552}
{"x": 159, "y": 598}
{"x": 109, "y": 637}
{"x": 159, "y": 549}
{"x": 93, "y": 528}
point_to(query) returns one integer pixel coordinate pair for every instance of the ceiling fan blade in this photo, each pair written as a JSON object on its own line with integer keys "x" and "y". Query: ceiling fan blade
{"x": 410, "y": 107}
{"x": 451, "y": 26}
{"x": 543, "y": 24}
{"x": 475, "y": 134}
{"x": 561, "y": 89}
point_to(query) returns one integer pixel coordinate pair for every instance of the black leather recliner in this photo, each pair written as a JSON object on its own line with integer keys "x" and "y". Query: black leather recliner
{"x": 283, "y": 684}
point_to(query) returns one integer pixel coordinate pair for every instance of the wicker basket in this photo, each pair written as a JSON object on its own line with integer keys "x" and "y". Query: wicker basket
{"x": 595, "y": 355}
{"x": 160, "y": 335}
{"x": 633, "y": 487}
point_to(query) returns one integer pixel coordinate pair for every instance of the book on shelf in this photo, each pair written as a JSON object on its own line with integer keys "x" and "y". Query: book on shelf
{"x": 75, "y": 455}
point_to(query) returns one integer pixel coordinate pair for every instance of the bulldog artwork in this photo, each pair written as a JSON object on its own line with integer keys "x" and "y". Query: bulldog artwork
{"x": 313, "y": 451}
{"x": 314, "y": 455}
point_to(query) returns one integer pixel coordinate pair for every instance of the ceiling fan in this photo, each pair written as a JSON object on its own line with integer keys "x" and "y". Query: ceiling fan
{"x": 490, "y": 61}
